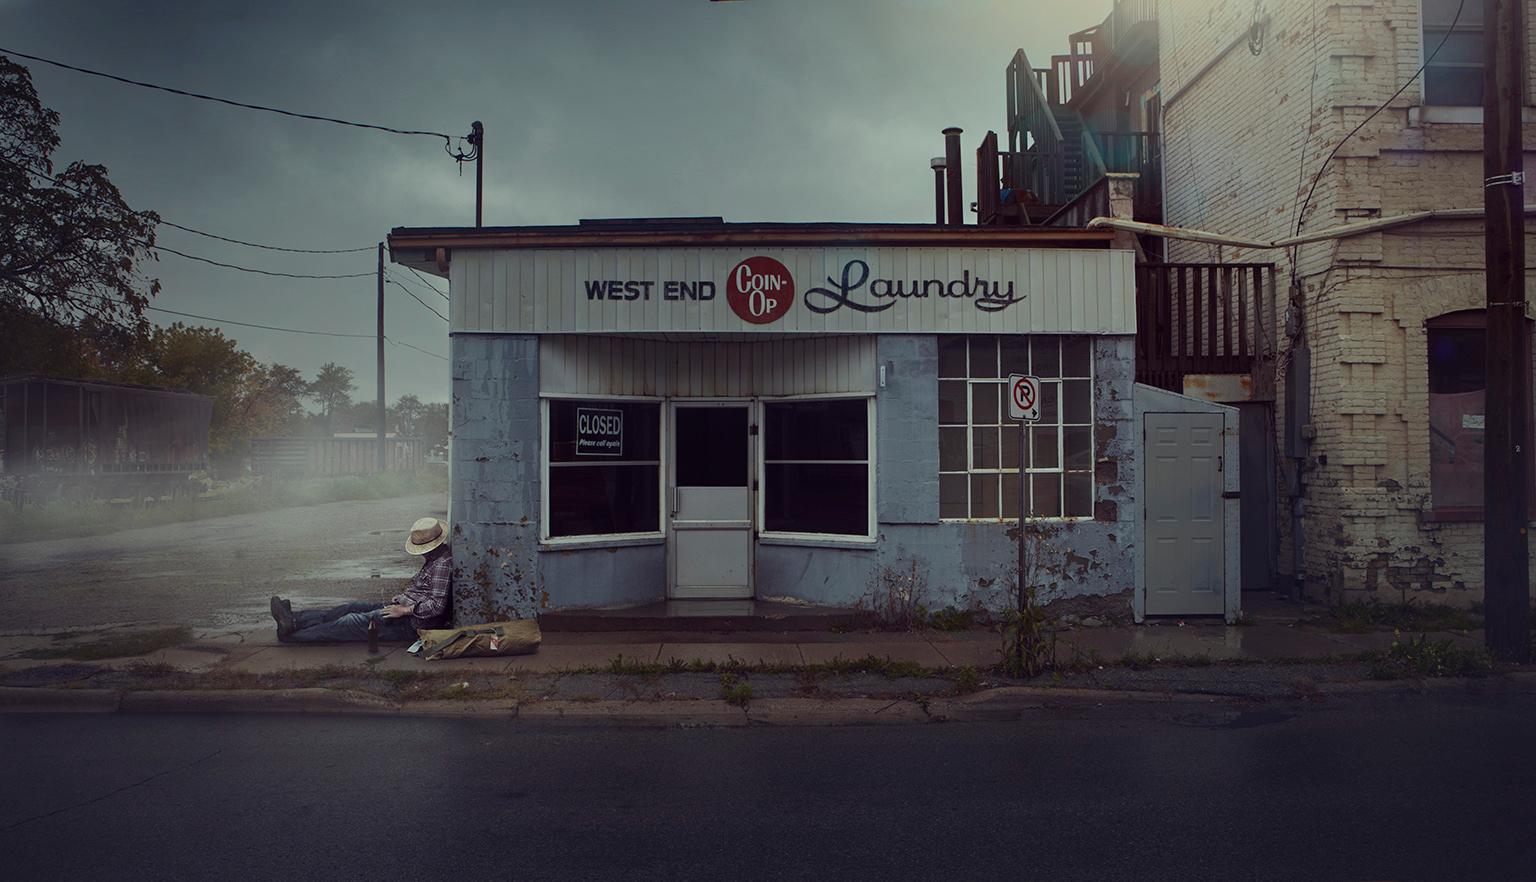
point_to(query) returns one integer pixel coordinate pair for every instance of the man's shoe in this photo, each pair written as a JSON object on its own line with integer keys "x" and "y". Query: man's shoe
{"x": 282, "y": 613}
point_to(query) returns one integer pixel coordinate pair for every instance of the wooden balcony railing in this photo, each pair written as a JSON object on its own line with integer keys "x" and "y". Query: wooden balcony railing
{"x": 1205, "y": 318}
{"x": 1034, "y": 139}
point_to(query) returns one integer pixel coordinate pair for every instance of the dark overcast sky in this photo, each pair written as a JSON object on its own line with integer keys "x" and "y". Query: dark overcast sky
{"x": 776, "y": 110}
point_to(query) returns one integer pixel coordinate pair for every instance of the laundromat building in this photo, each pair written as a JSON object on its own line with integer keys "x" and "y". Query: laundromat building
{"x": 690, "y": 409}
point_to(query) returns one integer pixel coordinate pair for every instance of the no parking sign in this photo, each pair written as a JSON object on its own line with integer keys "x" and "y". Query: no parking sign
{"x": 1023, "y": 397}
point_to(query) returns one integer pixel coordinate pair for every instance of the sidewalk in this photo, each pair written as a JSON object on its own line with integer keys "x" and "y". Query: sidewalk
{"x": 737, "y": 678}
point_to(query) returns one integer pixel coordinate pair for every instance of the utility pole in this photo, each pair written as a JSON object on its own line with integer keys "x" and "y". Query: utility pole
{"x": 1507, "y": 433}
{"x": 382, "y": 442}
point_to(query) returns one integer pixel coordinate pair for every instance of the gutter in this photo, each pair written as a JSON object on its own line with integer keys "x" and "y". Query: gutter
{"x": 1339, "y": 232}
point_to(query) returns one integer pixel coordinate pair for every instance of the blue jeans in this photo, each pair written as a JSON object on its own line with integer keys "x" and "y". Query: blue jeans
{"x": 349, "y": 622}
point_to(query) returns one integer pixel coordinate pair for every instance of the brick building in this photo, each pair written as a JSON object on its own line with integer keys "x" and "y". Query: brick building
{"x": 1376, "y": 375}
{"x": 1382, "y": 463}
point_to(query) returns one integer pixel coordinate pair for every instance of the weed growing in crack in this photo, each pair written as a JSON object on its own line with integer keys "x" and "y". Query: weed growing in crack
{"x": 1422, "y": 657}
{"x": 734, "y": 690}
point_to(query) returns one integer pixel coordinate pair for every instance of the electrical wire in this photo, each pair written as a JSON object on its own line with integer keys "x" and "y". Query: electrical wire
{"x": 424, "y": 303}
{"x": 1301, "y": 216}
{"x": 399, "y": 278}
{"x": 424, "y": 281}
{"x": 417, "y": 348}
{"x": 268, "y": 247}
{"x": 224, "y": 321}
{"x": 261, "y": 272}
{"x": 447, "y": 139}
{"x": 58, "y": 183}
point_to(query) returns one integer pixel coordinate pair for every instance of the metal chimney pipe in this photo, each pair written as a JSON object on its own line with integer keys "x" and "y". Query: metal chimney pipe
{"x": 938, "y": 189}
{"x": 952, "y": 174}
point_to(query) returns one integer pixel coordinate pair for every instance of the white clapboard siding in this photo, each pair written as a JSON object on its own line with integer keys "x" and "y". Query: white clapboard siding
{"x": 543, "y": 291}
{"x": 604, "y": 365}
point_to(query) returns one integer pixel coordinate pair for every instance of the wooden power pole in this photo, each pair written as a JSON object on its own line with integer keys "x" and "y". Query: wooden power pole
{"x": 1507, "y": 432}
{"x": 382, "y": 442}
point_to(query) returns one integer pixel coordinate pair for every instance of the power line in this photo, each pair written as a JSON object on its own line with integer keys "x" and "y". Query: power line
{"x": 1301, "y": 216}
{"x": 262, "y": 272}
{"x": 399, "y": 278}
{"x": 417, "y": 348}
{"x": 424, "y": 281}
{"x": 196, "y": 232}
{"x": 268, "y": 247}
{"x": 424, "y": 303}
{"x": 224, "y": 321}
{"x": 447, "y": 139}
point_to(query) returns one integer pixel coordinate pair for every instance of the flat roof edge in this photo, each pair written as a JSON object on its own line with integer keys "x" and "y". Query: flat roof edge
{"x": 746, "y": 234}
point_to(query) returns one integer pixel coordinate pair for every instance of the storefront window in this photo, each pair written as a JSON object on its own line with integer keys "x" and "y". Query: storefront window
{"x": 604, "y": 468}
{"x": 816, "y": 475}
{"x": 979, "y": 445}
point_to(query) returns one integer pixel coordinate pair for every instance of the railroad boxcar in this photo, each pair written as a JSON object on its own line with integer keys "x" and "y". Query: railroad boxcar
{"x": 90, "y": 438}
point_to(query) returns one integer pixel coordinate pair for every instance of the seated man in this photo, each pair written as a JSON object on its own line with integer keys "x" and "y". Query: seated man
{"x": 423, "y": 606}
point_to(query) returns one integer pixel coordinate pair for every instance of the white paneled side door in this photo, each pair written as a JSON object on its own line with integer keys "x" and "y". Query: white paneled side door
{"x": 709, "y": 487}
{"x": 1184, "y": 529}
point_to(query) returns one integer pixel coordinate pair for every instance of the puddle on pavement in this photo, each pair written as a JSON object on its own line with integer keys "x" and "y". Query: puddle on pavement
{"x": 361, "y": 568}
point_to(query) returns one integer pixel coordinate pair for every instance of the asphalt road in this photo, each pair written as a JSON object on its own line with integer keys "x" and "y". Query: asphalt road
{"x": 216, "y": 573}
{"x": 1403, "y": 788}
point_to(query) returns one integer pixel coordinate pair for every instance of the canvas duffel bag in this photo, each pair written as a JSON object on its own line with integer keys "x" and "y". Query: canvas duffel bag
{"x": 518, "y": 637}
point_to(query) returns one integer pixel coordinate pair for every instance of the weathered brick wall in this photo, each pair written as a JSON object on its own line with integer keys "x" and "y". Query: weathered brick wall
{"x": 1244, "y": 136}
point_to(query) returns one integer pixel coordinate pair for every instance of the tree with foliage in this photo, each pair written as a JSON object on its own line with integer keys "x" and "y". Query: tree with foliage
{"x": 414, "y": 418}
{"x": 70, "y": 247}
{"x": 432, "y": 427}
{"x": 332, "y": 390}
{"x": 405, "y": 414}
{"x": 250, "y": 399}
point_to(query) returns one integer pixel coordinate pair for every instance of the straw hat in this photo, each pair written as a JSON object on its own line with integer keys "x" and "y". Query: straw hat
{"x": 426, "y": 534}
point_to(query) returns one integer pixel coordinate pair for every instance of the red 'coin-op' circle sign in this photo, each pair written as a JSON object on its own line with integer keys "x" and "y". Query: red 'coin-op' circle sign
{"x": 760, "y": 290}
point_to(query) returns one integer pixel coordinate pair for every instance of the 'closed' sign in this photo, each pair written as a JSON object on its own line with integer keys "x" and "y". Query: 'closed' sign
{"x": 599, "y": 432}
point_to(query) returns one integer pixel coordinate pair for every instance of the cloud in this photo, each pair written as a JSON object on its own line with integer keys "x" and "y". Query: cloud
{"x": 755, "y": 110}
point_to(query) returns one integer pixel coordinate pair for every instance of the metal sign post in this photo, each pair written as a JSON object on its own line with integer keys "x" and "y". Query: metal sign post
{"x": 1023, "y": 406}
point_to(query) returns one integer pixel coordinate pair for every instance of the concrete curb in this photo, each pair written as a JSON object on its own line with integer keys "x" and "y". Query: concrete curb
{"x": 835, "y": 712}
{"x": 664, "y": 714}
{"x": 25, "y": 699}
{"x": 999, "y": 704}
{"x": 310, "y": 700}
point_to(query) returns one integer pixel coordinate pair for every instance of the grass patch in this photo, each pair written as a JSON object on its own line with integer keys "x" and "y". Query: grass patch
{"x": 734, "y": 690}
{"x": 950, "y": 619}
{"x": 123, "y": 645}
{"x": 967, "y": 680}
{"x": 1423, "y": 657}
{"x": 1361, "y": 617}
{"x": 57, "y": 520}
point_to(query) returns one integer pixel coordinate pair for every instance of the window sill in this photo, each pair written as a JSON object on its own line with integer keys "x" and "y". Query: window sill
{"x": 1034, "y": 519}
{"x": 1461, "y": 515}
{"x": 577, "y": 543}
{"x": 816, "y": 541}
{"x": 1445, "y": 113}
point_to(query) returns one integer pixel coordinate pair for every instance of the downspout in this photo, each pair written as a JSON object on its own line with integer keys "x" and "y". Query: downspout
{"x": 1339, "y": 232}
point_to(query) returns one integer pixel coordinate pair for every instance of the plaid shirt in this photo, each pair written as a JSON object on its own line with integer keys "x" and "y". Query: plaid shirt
{"x": 429, "y": 595}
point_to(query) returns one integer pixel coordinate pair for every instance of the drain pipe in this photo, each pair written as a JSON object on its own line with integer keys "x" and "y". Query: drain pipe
{"x": 1339, "y": 232}
{"x": 952, "y": 175}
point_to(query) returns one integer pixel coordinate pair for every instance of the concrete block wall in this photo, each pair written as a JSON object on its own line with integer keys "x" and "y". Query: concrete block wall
{"x": 1244, "y": 136}
{"x": 493, "y": 509}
